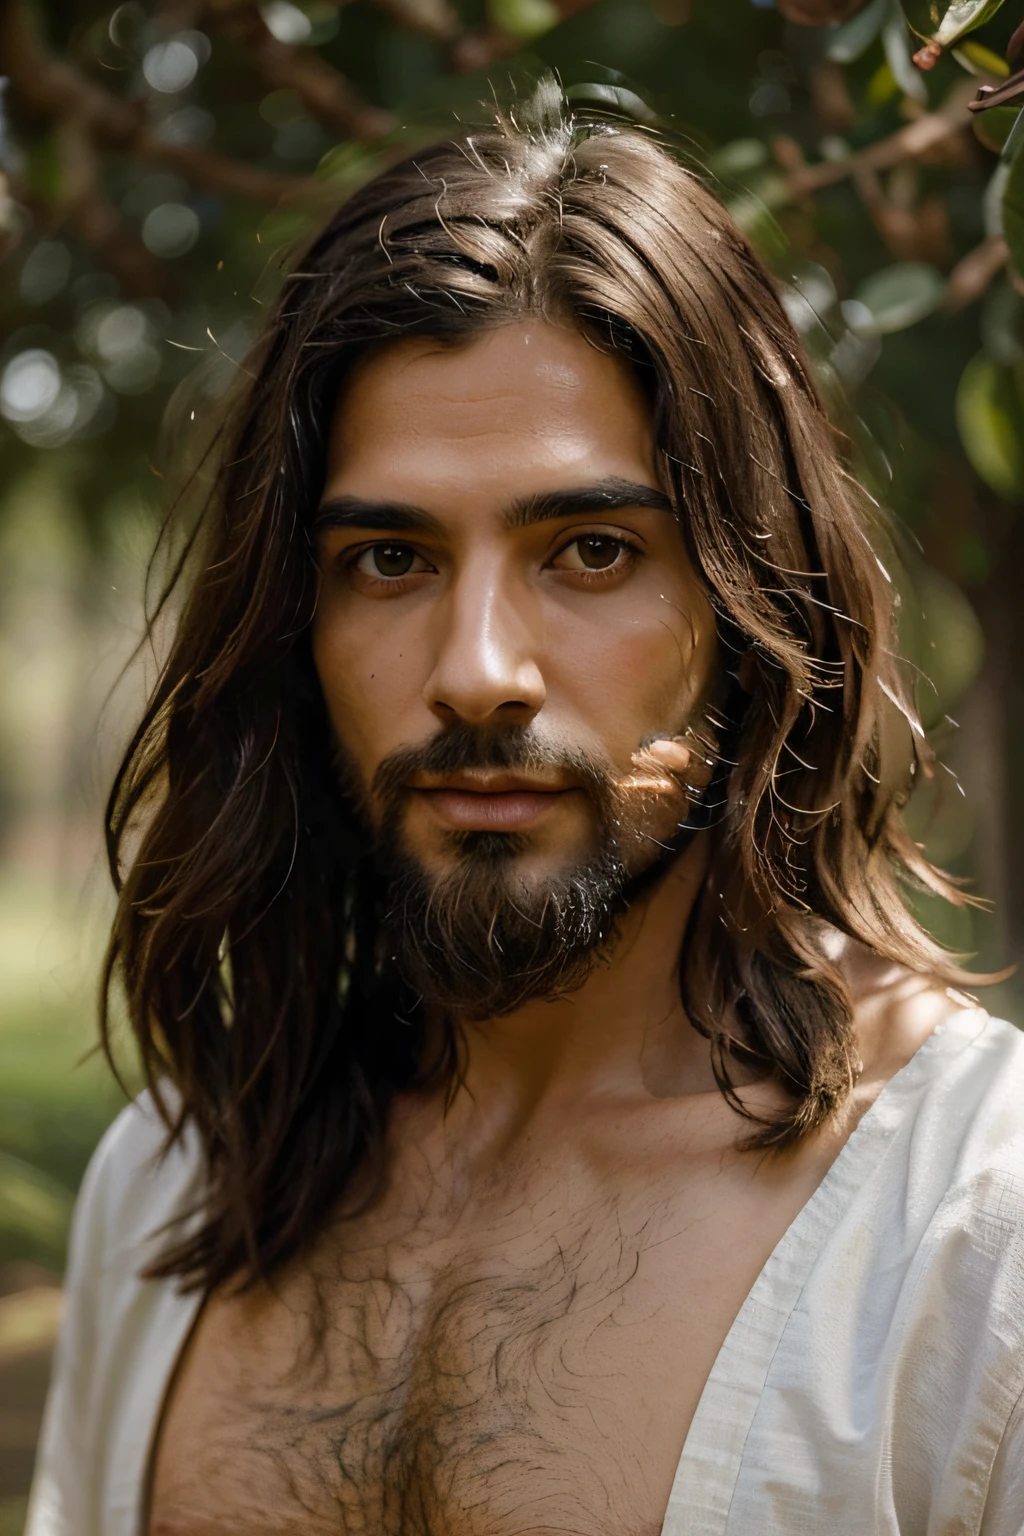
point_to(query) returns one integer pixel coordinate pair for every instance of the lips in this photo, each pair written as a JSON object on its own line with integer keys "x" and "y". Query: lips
{"x": 495, "y": 803}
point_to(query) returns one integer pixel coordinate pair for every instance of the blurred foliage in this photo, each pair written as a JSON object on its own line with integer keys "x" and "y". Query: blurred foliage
{"x": 158, "y": 157}
{"x": 54, "y": 1105}
{"x": 12, "y": 1516}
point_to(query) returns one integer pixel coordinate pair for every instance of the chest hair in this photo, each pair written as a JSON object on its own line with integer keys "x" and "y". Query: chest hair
{"x": 489, "y": 1396}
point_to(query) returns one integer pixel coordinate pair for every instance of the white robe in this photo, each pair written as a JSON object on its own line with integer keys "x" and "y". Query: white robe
{"x": 872, "y": 1382}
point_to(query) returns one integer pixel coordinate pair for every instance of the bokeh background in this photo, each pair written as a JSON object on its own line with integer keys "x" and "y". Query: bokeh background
{"x": 157, "y": 158}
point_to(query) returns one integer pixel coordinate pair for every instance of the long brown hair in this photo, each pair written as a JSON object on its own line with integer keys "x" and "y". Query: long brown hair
{"x": 246, "y": 934}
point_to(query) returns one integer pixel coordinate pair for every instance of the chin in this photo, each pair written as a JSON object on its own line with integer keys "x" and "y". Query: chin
{"x": 526, "y": 860}
{"x": 491, "y": 928}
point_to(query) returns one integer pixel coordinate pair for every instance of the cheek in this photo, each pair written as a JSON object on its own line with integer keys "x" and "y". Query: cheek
{"x": 368, "y": 679}
{"x": 643, "y": 667}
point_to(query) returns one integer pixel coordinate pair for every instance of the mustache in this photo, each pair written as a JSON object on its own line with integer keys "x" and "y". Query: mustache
{"x": 465, "y": 746}
{"x": 473, "y": 939}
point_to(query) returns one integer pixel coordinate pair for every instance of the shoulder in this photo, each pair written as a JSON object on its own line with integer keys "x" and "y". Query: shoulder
{"x": 932, "y": 1179}
{"x": 966, "y": 1168}
{"x": 959, "y": 1101}
{"x": 120, "y": 1333}
{"x": 136, "y": 1182}
{"x": 964, "y": 1160}
{"x": 978, "y": 1083}
{"x": 984, "y": 1111}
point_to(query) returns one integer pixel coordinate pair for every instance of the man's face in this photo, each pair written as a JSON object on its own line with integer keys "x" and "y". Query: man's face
{"x": 507, "y": 614}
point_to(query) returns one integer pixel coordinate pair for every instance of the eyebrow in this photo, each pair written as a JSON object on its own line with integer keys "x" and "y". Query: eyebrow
{"x": 600, "y": 496}
{"x": 380, "y": 516}
{"x": 611, "y": 495}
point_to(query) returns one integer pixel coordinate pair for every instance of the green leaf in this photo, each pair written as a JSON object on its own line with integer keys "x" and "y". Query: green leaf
{"x": 524, "y": 19}
{"x": 882, "y": 86}
{"x": 855, "y": 37}
{"x": 346, "y": 162}
{"x": 946, "y": 21}
{"x": 993, "y": 128}
{"x": 613, "y": 97}
{"x": 953, "y": 645}
{"x": 896, "y": 43}
{"x": 1002, "y": 324}
{"x": 760, "y": 226}
{"x": 900, "y": 296}
{"x": 738, "y": 158}
{"x": 990, "y": 415}
{"x": 1014, "y": 140}
{"x": 43, "y": 171}
{"x": 1013, "y": 211}
{"x": 979, "y": 60}
{"x": 992, "y": 199}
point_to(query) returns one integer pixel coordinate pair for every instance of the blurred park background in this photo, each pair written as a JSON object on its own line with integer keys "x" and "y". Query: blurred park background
{"x": 157, "y": 159}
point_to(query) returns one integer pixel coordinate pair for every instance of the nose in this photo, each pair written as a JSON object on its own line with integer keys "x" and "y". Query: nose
{"x": 486, "y": 667}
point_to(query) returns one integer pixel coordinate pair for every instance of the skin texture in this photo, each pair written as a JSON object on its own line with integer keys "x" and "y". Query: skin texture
{"x": 495, "y": 625}
{"x": 514, "y": 1340}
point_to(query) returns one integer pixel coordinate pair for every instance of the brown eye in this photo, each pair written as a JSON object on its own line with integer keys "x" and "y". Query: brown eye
{"x": 392, "y": 559}
{"x": 596, "y": 552}
{"x": 389, "y": 561}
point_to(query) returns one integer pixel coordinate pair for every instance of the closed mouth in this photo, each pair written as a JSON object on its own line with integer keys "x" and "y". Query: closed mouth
{"x": 491, "y": 802}
{"x": 490, "y": 782}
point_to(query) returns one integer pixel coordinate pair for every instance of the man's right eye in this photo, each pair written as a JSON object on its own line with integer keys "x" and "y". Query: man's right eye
{"x": 389, "y": 561}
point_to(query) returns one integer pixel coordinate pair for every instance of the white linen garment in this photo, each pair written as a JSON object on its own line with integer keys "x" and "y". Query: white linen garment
{"x": 873, "y": 1381}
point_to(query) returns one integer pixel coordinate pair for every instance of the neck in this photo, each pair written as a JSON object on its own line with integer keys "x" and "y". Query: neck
{"x": 623, "y": 1032}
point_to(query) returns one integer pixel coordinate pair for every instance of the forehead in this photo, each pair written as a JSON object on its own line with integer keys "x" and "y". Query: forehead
{"x": 525, "y": 399}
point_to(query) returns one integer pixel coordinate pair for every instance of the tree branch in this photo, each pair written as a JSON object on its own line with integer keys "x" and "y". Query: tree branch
{"x": 84, "y": 205}
{"x": 88, "y": 119}
{"x": 432, "y": 18}
{"x": 219, "y": 173}
{"x": 48, "y": 88}
{"x": 488, "y": 43}
{"x": 927, "y": 133}
{"x": 973, "y": 273}
{"x": 323, "y": 90}
{"x": 913, "y": 228}
{"x": 819, "y": 13}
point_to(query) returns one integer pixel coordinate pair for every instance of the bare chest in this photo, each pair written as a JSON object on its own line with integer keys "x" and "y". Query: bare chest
{"x": 532, "y": 1372}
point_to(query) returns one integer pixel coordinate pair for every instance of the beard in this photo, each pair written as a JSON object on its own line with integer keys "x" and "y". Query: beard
{"x": 479, "y": 942}
{"x": 478, "y": 938}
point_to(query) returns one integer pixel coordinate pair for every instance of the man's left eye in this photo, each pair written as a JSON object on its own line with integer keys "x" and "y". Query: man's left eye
{"x": 593, "y": 552}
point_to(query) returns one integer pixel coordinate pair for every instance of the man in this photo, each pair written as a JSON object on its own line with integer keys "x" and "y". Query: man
{"x": 571, "y": 1129}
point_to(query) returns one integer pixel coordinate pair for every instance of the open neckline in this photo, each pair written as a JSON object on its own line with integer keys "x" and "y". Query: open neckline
{"x": 721, "y": 1421}
{"x": 717, "y": 1435}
